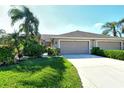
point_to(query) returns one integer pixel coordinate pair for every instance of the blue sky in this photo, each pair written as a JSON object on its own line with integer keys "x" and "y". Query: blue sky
{"x": 62, "y": 19}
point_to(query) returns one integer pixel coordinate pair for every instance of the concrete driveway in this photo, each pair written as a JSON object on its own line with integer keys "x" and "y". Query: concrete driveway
{"x": 98, "y": 72}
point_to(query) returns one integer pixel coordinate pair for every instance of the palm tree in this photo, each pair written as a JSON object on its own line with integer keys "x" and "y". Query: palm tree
{"x": 111, "y": 27}
{"x": 121, "y": 25}
{"x": 30, "y": 24}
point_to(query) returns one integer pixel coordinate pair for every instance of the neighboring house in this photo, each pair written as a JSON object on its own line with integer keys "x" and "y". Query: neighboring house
{"x": 79, "y": 42}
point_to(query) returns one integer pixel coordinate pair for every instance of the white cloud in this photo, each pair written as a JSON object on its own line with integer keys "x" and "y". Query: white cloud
{"x": 98, "y": 25}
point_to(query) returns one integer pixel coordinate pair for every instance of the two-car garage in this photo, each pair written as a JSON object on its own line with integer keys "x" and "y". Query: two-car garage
{"x": 83, "y": 47}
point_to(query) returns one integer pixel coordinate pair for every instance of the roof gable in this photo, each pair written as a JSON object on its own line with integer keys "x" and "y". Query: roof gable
{"x": 84, "y": 34}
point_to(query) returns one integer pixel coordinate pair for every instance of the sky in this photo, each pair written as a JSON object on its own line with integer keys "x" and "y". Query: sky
{"x": 66, "y": 18}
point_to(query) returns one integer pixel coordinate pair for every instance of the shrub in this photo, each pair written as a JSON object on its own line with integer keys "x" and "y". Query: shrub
{"x": 116, "y": 54}
{"x": 6, "y": 55}
{"x": 58, "y": 51}
{"x": 33, "y": 49}
{"x": 53, "y": 51}
{"x": 95, "y": 50}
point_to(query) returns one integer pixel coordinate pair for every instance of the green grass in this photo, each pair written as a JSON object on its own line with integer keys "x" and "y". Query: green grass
{"x": 54, "y": 72}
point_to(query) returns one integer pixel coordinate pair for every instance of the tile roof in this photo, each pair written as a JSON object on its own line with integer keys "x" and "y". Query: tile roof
{"x": 84, "y": 34}
{"x": 76, "y": 34}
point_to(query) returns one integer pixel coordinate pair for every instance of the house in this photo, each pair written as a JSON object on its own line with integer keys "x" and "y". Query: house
{"x": 79, "y": 42}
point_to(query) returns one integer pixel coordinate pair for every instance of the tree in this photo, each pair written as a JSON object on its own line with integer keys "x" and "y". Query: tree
{"x": 121, "y": 25}
{"x": 111, "y": 27}
{"x": 30, "y": 23}
{"x": 28, "y": 28}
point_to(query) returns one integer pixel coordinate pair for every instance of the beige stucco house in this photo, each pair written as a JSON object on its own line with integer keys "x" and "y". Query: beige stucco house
{"x": 79, "y": 42}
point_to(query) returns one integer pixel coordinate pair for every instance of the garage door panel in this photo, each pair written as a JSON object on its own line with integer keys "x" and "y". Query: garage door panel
{"x": 109, "y": 45}
{"x": 74, "y": 47}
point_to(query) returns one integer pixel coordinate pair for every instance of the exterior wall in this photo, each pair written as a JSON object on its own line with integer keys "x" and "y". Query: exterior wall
{"x": 123, "y": 45}
{"x": 55, "y": 43}
{"x": 92, "y": 42}
{"x": 46, "y": 43}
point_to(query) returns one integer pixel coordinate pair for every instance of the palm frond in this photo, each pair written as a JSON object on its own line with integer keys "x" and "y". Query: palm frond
{"x": 35, "y": 21}
{"x": 106, "y": 32}
{"x": 107, "y": 25}
{"x": 119, "y": 33}
{"x": 27, "y": 11}
{"x": 121, "y": 21}
{"x": 122, "y": 29}
{"x": 15, "y": 15}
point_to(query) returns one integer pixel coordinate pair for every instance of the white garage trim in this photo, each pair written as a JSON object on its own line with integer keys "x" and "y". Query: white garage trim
{"x": 122, "y": 45}
{"x": 74, "y": 40}
{"x": 109, "y": 41}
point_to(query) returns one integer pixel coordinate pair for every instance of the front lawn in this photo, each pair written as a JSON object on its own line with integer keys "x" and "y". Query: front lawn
{"x": 54, "y": 72}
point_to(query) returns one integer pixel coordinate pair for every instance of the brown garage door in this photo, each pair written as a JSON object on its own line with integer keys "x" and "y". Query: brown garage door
{"x": 109, "y": 45}
{"x": 74, "y": 47}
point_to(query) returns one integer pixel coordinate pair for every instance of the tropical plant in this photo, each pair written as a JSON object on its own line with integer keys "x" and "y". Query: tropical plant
{"x": 27, "y": 29}
{"x": 33, "y": 49}
{"x": 30, "y": 23}
{"x": 17, "y": 44}
{"x": 111, "y": 27}
{"x": 121, "y": 25}
{"x": 53, "y": 51}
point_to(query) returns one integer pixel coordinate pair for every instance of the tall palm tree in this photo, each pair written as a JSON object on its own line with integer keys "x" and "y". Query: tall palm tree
{"x": 111, "y": 27}
{"x": 30, "y": 24}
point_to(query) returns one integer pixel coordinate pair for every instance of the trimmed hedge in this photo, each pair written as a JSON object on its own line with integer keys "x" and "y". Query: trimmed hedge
{"x": 116, "y": 54}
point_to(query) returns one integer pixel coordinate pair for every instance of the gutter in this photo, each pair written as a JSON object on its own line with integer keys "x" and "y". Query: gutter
{"x": 111, "y": 38}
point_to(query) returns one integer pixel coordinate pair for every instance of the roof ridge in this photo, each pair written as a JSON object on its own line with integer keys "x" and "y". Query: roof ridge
{"x": 85, "y": 32}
